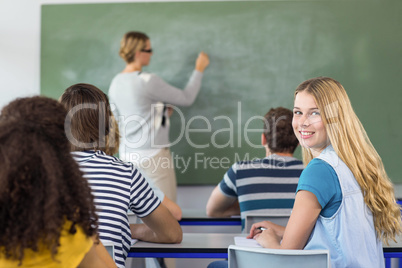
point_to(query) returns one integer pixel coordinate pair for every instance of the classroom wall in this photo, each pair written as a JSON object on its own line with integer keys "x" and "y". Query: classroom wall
{"x": 20, "y": 66}
{"x": 20, "y": 50}
{"x": 254, "y": 66}
{"x": 20, "y": 45}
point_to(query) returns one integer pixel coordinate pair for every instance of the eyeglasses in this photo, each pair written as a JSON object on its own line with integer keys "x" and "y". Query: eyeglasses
{"x": 147, "y": 50}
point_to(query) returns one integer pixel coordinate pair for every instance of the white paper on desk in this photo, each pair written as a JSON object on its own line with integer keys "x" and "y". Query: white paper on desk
{"x": 133, "y": 241}
{"x": 242, "y": 241}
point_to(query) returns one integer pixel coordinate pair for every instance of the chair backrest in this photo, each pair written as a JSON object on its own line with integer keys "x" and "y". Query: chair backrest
{"x": 250, "y": 219}
{"x": 245, "y": 257}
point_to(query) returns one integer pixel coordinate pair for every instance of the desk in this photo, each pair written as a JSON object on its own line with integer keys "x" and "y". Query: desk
{"x": 394, "y": 250}
{"x": 212, "y": 245}
{"x": 197, "y": 221}
{"x": 194, "y": 245}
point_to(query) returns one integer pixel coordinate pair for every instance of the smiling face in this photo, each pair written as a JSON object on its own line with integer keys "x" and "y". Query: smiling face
{"x": 308, "y": 125}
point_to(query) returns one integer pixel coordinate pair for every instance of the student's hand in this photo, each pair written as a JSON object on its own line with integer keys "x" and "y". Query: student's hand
{"x": 202, "y": 62}
{"x": 278, "y": 229}
{"x": 255, "y": 228}
{"x": 268, "y": 238}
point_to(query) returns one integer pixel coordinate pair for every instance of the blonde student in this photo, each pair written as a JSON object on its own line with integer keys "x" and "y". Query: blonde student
{"x": 344, "y": 200}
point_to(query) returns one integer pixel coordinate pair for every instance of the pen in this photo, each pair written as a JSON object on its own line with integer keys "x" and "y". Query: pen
{"x": 262, "y": 228}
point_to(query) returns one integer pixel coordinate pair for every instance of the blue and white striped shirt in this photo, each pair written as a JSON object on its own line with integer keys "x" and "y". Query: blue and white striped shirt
{"x": 263, "y": 186}
{"x": 117, "y": 186}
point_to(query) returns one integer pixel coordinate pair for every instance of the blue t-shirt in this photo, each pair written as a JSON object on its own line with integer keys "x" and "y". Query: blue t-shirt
{"x": 321, "y": 179}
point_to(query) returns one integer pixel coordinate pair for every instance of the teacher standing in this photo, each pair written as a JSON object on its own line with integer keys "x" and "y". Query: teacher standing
{"x": 142, "y": 100}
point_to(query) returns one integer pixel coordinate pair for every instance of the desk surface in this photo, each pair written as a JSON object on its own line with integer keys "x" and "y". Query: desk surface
{"x": 194, "y": 245}
{"x": 207, "y": 245}
{"x": 198, "y": 214}
{"x": 199, "y": 217}
{"x": 197, "y": 221}
{"x": 194, "y": 241}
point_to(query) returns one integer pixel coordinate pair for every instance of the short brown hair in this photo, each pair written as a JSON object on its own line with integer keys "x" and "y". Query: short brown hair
{"x": 90, "y": 115}
{"x": 130, "y": 44}
{"x": 278, "y": 131}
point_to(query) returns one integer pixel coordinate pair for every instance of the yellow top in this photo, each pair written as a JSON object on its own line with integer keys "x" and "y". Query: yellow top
{"x": 70, "y": 253}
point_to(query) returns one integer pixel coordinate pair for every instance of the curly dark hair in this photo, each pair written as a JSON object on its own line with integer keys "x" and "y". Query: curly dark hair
{"x": 41, "y": 185}
{"x": 278, "y": 131}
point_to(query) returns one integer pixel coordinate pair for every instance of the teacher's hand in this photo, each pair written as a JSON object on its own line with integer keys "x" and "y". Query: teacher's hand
{"x": 202, "y": 62}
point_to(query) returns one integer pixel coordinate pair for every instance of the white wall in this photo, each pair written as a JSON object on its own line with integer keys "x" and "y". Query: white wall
{"x": 19, "y": 49}
{"x": 20, "y": 45}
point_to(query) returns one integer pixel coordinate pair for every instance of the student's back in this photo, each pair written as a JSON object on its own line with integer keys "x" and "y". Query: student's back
{"x": 47, "y": 214}
{"x": 262, "y": 186}
{"x": 117, "y": 186}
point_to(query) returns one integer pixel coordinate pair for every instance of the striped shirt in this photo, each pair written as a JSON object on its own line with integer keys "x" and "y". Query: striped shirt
{"x": 117, "y": 186}
{"x": 263, "y": 186}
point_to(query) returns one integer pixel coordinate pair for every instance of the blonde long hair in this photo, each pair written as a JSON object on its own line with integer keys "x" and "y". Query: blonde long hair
{"x": 352, "y": 145}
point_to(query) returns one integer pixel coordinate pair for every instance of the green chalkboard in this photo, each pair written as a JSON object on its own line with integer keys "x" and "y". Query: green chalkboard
{"x": 259, "y": 51}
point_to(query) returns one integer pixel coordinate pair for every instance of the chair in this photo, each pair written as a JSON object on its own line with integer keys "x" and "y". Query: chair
{"x": 245, "y": 257}
{"x": 250, "y": 219}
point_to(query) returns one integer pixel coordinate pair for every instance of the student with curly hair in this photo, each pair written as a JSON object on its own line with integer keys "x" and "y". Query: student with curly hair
{"x": 47, "y": 213}
{"x": 116, "y": 185}
{"x": 344, "y": 195}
